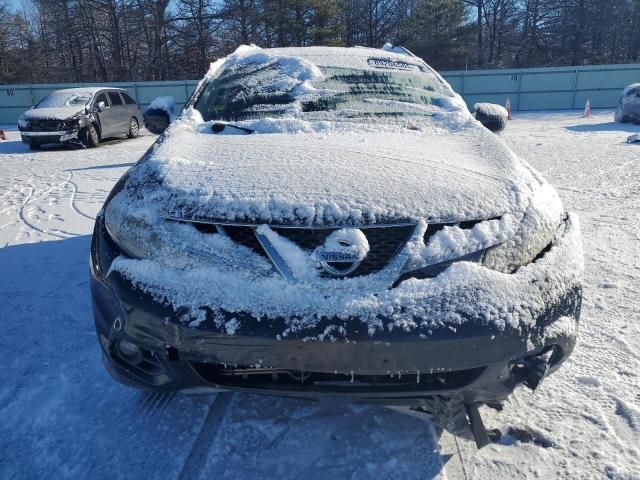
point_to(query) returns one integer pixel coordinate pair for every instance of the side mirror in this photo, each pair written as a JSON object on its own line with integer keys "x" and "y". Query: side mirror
{"x": 492, "y": 116}
{"x": 101, "y": 106}
{"x": 156, "y": 120}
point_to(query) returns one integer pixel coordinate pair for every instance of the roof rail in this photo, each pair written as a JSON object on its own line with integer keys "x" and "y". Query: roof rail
{"x": 397, "y": 49}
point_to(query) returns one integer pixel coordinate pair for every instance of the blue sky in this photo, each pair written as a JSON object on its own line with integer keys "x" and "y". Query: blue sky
{"x": 14, "y": 4}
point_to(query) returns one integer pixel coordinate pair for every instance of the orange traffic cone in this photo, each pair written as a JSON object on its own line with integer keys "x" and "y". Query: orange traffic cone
{"x": 508, "y": 107}
{"x": 2, "y": 135}
{"x": 587, "y": 109}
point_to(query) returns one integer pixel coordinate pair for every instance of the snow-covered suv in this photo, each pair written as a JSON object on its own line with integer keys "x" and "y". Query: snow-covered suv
{"x": 332, "y": 221}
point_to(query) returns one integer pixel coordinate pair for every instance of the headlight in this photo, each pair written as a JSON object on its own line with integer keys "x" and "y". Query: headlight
{"x": 22, "y": 124}
{"x": 137, "y": 236}
{"x": 538, "y": 229}
{"x": 140, "y": 234}
{"x": 70, "y": 124}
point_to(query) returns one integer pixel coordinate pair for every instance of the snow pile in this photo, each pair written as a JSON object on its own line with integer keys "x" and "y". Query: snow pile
{"x": 293, "y": 75}
{"x": 296, "y": 74}
{"x": 453, "y": 242}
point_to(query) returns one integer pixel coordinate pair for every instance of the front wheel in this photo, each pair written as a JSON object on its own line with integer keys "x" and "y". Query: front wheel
{"x": 134, "y": 128}
{"x": 91, "y": 138}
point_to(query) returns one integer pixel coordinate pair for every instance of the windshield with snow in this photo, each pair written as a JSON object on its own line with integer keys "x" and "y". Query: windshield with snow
{"x": 256, "y": 90}
{"x": 65, "y": 99}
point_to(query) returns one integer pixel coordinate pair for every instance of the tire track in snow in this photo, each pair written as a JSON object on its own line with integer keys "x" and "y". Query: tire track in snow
{"x": 156, "y": 401}
{"x": 30, "y": 198}
{"x": 197, "y": 458}
{"x": 603, "y": 173}
{"x": 74, "y": 193}
{"x": 23, "y": 219}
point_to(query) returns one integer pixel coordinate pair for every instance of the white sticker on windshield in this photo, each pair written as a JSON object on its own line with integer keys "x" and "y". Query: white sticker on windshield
{"x": 394, "y": 65}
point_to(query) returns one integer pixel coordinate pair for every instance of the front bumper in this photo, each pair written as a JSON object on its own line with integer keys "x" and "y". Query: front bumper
{"x": 43, "y": 138}
{"x": 474, "y": 359}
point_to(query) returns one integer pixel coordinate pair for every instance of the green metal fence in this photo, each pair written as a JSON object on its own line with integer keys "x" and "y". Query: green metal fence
{"x": 15, "y": 99}
{"x": 561, "y": 88}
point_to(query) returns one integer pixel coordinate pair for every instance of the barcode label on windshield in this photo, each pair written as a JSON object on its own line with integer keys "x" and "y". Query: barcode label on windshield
{"x": 394, "y": 65}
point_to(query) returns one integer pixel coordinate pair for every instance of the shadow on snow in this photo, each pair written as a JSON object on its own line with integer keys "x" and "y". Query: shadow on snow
{"x": 604, "y": 127}
{"x": 63, "y": 415}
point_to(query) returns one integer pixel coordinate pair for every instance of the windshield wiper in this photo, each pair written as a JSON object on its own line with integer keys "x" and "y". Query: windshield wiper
{"x": 219, "y": 127}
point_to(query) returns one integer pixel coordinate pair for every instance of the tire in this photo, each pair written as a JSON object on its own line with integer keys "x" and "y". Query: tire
{"x": 134, "y": 128}
{"x": 90, "y": 136}
{"x": 35, "y": 146}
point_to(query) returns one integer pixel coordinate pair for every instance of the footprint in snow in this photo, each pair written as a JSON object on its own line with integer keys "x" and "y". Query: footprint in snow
{"x": 513, "y": 435}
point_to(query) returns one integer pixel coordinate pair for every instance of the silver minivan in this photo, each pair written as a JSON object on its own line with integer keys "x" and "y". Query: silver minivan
{"x": 81, "y": 116}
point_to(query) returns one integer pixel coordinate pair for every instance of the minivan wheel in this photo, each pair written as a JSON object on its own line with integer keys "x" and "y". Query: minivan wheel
{"x": 34, "y": 146}
{"x": 134, "y": 128}
{"x": 90, "y": 136}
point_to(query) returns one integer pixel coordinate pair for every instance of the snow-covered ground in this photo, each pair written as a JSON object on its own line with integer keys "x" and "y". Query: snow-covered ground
{"x": 62, "y": 416}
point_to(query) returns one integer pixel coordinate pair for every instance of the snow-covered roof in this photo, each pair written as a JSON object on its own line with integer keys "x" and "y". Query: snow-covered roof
{"x": 364, "y": 58}
{"x": 336, "y": 52}
{"x": 632, "y": 86}
{"x": 90, "y": 90}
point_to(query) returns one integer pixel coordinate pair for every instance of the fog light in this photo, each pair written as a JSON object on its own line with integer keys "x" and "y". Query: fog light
{"x": 130, "y": 351}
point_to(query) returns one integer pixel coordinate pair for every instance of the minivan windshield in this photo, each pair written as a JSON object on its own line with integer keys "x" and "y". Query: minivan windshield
{"x": 257, "y": 90}
{"x": 65, "y": 99}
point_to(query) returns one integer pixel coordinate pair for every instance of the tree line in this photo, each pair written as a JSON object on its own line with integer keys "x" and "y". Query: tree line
{"x": 136, "y": 40}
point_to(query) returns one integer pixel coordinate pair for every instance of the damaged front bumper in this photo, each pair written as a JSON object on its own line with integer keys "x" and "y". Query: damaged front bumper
{"x": 474, "y": 360}
{"x": 43, "y": 138}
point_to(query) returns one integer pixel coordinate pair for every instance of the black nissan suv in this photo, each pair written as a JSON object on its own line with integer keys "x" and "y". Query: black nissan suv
{"x": 332, "y": 221}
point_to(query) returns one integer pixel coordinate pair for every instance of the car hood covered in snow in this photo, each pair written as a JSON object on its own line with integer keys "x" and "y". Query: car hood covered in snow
{"x": 378, "y": 175}
{"x": 57, "y": 113}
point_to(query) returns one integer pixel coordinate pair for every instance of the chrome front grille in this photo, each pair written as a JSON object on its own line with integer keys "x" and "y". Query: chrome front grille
{"x": 386, "y": 242}
{"x": 244, "y": 236}
{"x": 44, "y": 126}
